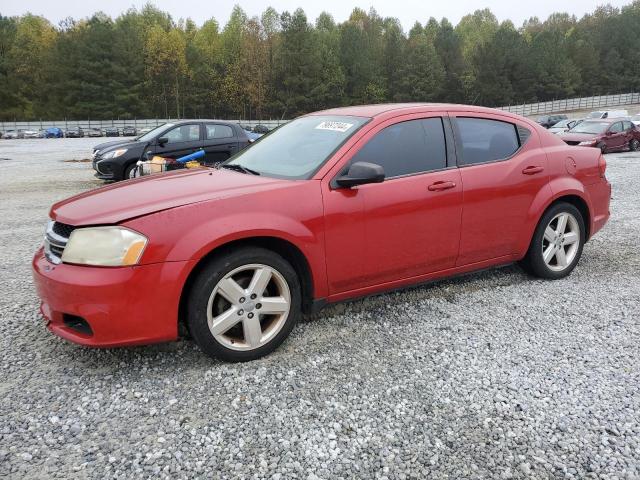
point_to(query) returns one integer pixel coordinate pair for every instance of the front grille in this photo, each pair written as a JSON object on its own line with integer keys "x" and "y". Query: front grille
{"x": 63, "y": 229}
{"x": 55, "y": 240}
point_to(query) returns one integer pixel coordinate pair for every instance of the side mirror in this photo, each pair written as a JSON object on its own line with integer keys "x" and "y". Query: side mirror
{"x": 162, "y": 141}
{"x": 361, "y": 173}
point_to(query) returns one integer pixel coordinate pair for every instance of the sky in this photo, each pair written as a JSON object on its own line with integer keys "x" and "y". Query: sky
{"x": 407, "y": 11}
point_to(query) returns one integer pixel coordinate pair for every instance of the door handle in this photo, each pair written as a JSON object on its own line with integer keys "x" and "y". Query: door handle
{"x": 532, "y": 170}
{"x": 439, "y": 186}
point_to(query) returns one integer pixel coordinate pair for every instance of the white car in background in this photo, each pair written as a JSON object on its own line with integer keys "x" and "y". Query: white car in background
{"x": 636, "y": 119}
{"x": 564, "y": 125}
{"x": 608, "y": 114}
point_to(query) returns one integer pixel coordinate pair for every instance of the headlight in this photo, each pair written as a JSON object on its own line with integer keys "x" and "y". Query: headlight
{"x": 588, "y": 143}
{"x": 104, "y": 246}
{"x": 114, "y": 153}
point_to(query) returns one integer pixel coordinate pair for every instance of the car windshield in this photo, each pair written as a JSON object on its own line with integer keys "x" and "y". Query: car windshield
{"x": 150, "y": 135}
{"x": 297, "y": 149}
{"x": 590, "y": 127}
{"x": 562, "y": 123}
{"x": 595, "y": 115}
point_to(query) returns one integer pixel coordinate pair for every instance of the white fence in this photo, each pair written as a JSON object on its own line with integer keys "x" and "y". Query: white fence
{"x": 585, "y": 103}
{"x": 142, "y": 123}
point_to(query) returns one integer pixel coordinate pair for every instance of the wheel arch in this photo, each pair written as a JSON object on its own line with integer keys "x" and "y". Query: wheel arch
{"x": 282, "y": 247}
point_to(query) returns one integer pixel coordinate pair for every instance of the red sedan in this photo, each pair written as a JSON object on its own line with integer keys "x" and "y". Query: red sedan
{"x": 334, "y": 205}
{"x": 609, "y": 135}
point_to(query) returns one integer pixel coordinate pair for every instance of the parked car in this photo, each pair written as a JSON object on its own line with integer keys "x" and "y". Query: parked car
{"x": 262, "y": 129}
{"x": 564, "y": 125}
{"x": 53, "y": 132}
{"x": 129, "y": 132}
{"x": 142, "y": 131}
{"x": 94, "y": 132}
{"x": 609, "y": 135}
{"x": 74, "y": 132}
{"x": 117, "y": 160}
{"x": 9, "y": 134}
{"x": 550, "y": 120}
{"x": 608, "y": 114}
{"x": 333, "y": 205}
{"x": 636, "y": 119}
{"x": 253, "y": 136}
{"x": 111, "y": 132}
{"x": 32, "y": 134}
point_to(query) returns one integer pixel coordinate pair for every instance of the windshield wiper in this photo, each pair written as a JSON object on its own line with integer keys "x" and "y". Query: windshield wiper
{"x": 239, "y": 168}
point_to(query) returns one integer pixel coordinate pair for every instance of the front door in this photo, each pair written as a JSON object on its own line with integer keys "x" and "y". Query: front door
{"x": 181, "y": 140}
{"x": 616, "y": 137}
{"x": 404, "y": 227}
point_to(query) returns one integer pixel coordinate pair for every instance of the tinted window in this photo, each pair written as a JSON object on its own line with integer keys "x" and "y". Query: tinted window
{"x": 408, "y": 147}
{"x": 616, "y": 127}
{"x": 183, "y": 133}
{"x": 218, "y": 131}
{"x": 485, "y": 140}
{"x": 524, "y": 134}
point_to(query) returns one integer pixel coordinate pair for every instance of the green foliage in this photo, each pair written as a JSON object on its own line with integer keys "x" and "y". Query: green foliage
{"x": 145, "y": 64}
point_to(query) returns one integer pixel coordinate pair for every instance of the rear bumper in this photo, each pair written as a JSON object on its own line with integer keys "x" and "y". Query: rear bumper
{"x": 600, "y": 195}
{"x": 122, "y": 306}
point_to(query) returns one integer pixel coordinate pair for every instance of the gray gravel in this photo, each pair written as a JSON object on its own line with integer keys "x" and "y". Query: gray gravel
{"x": 493, "y": 375}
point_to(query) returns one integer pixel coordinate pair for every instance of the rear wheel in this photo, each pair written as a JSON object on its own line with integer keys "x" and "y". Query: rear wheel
{"x": 634, "y": 145}
{"x": 242, "y": 305}
{"x": 557, "y": 242}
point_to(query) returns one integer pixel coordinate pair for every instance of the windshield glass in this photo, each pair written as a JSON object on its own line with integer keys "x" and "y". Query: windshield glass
{"x": 590, "y": 127}
{"x": 297, "y": 149}
{"x": 152, "y": 134}
{"x": 562, "y": 123}
{"x": 595, "y": 115}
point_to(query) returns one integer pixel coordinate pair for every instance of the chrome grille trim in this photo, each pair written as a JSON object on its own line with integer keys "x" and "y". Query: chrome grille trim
{"x": 54, "y": 244}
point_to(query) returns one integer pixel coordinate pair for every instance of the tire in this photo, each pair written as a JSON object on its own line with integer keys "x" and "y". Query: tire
{"x": 128, "y": 171}
{"x": 571, "y": 240}
{"x": 222, "y": 294}
{"x": 634, "y": 145}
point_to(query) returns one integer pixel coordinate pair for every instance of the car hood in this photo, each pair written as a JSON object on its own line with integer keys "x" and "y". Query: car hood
{"x": 127, "y": 143}
{"x": 134, "y": 198}
{"x": 578, "y": 137}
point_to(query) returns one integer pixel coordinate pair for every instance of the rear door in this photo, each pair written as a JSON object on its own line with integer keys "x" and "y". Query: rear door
{"x": 220, "y": 142}
{"x": 181, "y": 140}
{"x": 502, "y": 170}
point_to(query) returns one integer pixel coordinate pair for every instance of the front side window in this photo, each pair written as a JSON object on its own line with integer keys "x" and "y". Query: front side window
{"x": 183, "y": 133}
{"x": 616, "y": 127}
{"x": 218, "y": 131}
{"x": 299, "y": 148}
{"x": 407, "y": 148}
{"x": 484, "y": 140}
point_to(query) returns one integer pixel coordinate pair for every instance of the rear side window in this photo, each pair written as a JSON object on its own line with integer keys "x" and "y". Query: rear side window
{"x": 628, "y": 125}
{"x": 407, "y": 148}
{"x": 218, "y": 131}
{"x": 485, "y": 140}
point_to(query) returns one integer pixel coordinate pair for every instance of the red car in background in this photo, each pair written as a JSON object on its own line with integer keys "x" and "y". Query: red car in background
{"x": 609, "y": 135}
{"x": 333, "y": 205}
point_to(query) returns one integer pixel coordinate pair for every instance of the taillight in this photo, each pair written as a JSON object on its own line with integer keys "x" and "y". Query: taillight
{"x": 602, "y": 166}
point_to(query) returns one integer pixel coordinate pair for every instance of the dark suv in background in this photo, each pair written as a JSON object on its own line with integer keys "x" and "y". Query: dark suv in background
{"x": 117, "y": 159}
{"x": 548, "y": 121}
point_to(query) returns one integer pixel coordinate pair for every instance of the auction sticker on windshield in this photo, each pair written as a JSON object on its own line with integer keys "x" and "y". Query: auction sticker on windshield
{"x": 335, "y": 126}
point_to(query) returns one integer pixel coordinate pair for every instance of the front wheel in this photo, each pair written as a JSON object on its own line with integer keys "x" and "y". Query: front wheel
{"x": 243, "y": 304}
{"x": 557, "y": 243}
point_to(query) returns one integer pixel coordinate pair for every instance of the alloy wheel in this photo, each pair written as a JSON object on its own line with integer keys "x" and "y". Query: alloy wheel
{"x": 248, "y": 307}
{"x": 561, "y": 241}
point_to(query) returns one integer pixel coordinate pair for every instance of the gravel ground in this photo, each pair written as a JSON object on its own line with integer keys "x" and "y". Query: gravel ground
{"x": 494, "y": 375}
